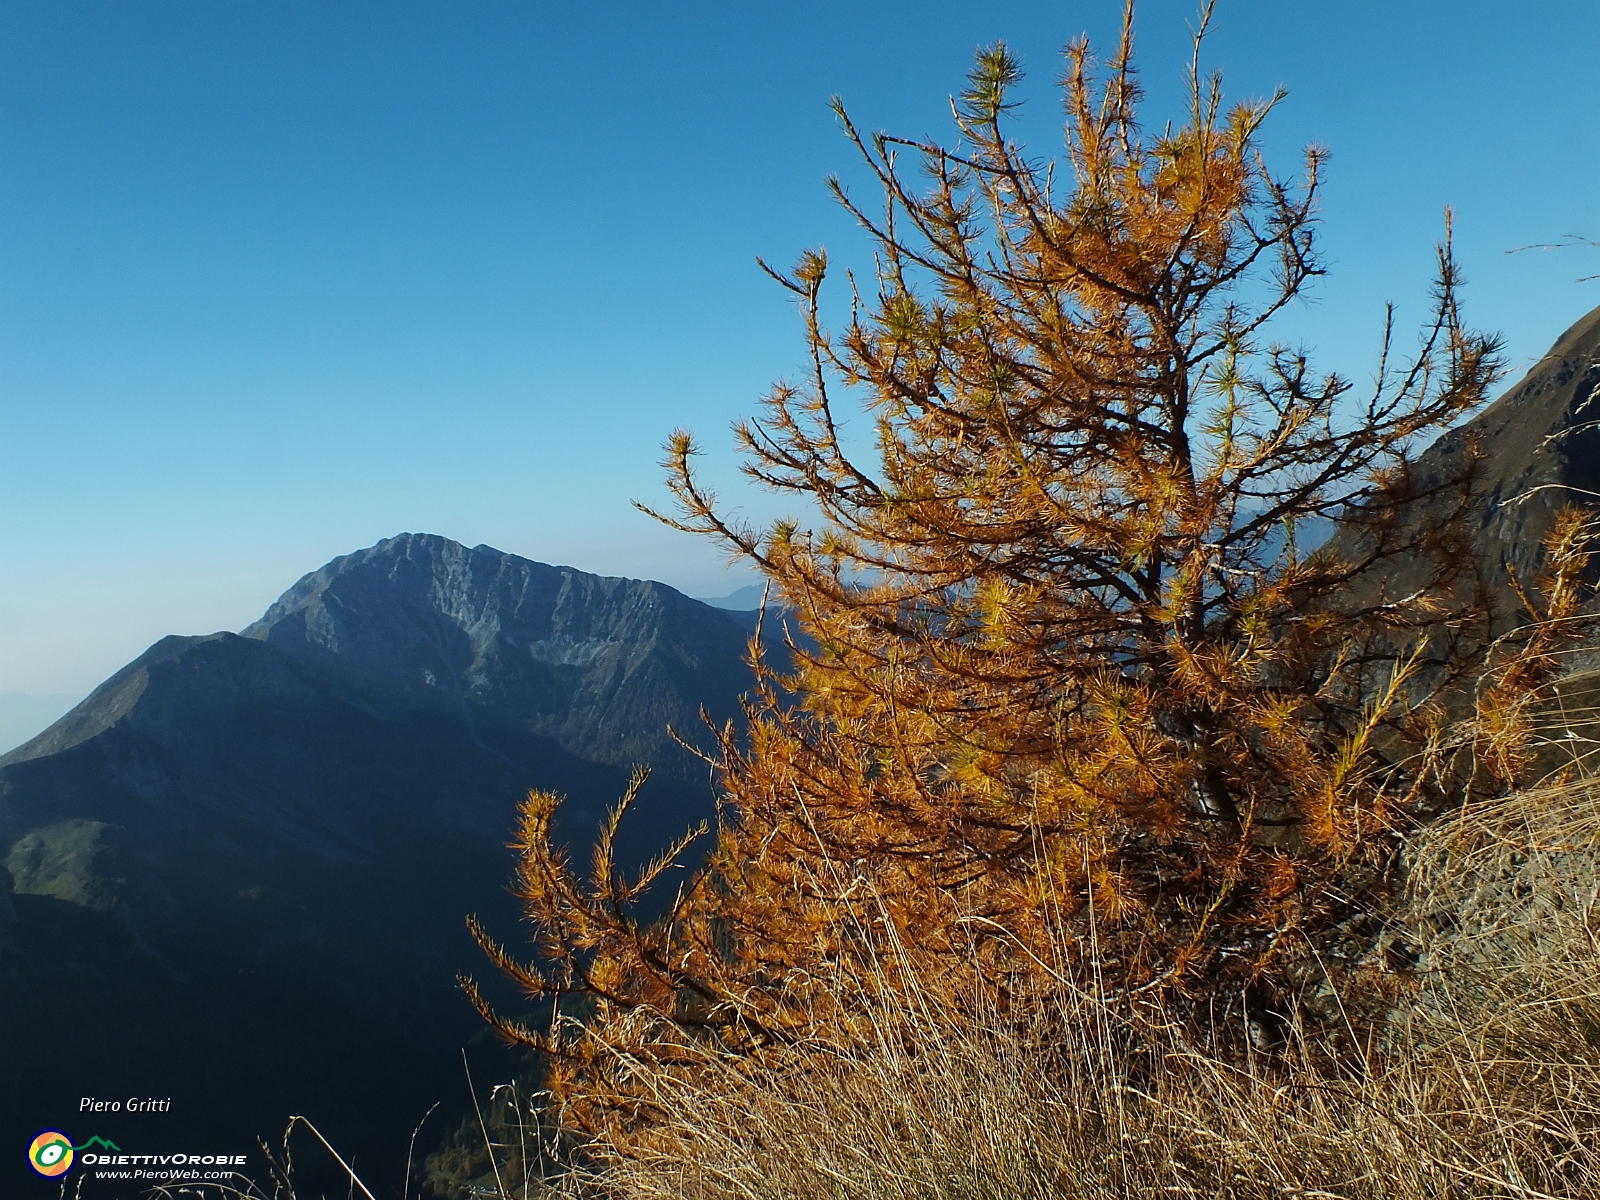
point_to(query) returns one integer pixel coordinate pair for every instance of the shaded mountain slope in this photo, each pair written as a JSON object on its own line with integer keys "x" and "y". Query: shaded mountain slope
{"x": 238, "y": 870}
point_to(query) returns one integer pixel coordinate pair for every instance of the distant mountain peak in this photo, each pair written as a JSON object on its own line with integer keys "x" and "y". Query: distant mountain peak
{"x": 419, "y": 622}
{"x": 601, "y": 664}
{"x": 255, "y": 850}
{"x": 742, "y": 599}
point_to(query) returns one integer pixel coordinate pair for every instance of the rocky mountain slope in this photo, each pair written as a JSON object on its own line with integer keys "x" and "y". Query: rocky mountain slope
{"x": 1541, "y": 446}
{"x": 1541, "y": 443}
{"x": 238, "y": 870}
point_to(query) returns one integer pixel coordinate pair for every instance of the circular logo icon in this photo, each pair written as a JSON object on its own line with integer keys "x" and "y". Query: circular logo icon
{"x": 50, "y": 1153}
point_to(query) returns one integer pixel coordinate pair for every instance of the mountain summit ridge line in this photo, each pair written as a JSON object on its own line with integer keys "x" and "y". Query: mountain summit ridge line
{"x": 431, "y": 623}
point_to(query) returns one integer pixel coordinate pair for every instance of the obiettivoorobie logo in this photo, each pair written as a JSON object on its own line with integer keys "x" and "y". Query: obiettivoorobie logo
{"x": 51, "y": 1153}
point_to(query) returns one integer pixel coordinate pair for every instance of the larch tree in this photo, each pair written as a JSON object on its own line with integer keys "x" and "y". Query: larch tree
{"x": 1073, "y": 698}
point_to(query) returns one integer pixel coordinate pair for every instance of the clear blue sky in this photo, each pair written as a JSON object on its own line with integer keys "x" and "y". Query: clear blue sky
{"x": 280, "y": 279}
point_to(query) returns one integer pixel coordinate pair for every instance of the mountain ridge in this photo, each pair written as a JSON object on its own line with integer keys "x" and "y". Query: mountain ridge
{"x": 482, "y": 632}
{"x": 263, "y": 844}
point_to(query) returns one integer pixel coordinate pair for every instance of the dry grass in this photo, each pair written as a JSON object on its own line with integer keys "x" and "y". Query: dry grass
{"x": 1485, "y": 1081}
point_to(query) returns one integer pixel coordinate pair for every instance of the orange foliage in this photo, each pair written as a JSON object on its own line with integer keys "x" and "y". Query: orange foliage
{"x": 1074, "y": 698}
